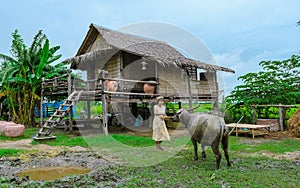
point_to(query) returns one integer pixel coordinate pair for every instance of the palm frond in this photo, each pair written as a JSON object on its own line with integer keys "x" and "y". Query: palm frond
{"x": 18, "y": 45}
{"x": 43, "y": 61}
{"x": 38, "y": 42}
{"x": 7, "y": 58}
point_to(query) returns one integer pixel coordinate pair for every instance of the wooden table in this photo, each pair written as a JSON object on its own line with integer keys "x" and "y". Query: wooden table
{"x": 251, "y": 127}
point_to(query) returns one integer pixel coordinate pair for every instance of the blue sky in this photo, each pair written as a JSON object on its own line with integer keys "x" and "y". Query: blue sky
{"x": 238, "y": 33}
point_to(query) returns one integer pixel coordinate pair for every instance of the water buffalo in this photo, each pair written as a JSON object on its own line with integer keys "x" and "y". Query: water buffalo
{"x": 208, "y": 130}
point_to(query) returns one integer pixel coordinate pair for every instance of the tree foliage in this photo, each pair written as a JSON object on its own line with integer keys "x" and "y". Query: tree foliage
{"x": 21, "y": 73}
{"x": 277, "y": 83}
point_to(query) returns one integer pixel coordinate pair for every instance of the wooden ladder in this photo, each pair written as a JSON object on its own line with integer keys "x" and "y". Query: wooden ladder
{"x": 56, "y": 118}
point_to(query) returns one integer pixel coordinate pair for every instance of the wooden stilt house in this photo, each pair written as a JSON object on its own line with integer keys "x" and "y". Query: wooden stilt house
{"x": 139, "y": 69}
{"x": 131, "y": 57}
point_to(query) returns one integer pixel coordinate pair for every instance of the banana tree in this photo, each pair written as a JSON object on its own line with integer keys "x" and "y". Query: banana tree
{"x": 24, "y": 70}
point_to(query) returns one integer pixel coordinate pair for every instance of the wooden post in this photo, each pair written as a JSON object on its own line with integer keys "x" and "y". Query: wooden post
{"x": 88, "y": 109}
{"x": 69, "y": 82}
{"x": 69, "y": 93}
{"x": 152, "y": 104}
{"x": 189, "y": 88}
{"x": 120, "y": 75}
{"x": 70, "y": 119}
{"x": 102, "y": 75}
{"x": 41, "y": 103}
{"x": 281, "y": 119}
{"x": 253, "y": 114}
{"x": 179, "y": 105}
{"x": 217, "y": 90}
{"x": 284, "y": 118}
{"x": 156, "y": 79}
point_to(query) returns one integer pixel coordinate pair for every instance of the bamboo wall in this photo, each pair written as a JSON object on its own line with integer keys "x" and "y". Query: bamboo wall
{"x": 174, "y": 82}
{"x": 112, "y": 66}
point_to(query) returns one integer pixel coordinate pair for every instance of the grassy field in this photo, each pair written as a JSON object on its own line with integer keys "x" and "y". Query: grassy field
{"x": 175, "y": 168}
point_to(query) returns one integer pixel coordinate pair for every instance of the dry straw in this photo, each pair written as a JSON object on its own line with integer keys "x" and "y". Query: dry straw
{"x": 294, "y": 124}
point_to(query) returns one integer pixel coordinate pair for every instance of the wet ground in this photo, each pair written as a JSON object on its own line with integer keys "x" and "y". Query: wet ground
{"x": 97, "y": 169}
{"x": 59, "y": 163}
{"x": 28, "y": 169}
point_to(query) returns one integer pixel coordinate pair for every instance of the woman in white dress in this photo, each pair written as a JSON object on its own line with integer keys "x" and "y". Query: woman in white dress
{"x": 160, "y": 132}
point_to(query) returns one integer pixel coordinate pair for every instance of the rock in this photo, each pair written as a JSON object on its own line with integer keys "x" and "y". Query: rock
{"x": 14, "y": 130}
{"x": 4, "y": 124}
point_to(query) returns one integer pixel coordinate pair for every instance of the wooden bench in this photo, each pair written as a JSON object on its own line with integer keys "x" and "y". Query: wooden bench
{"x": 250, "y": 127}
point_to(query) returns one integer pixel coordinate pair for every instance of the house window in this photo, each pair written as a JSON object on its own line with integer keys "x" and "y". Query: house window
{"x": 193, "y": 72}
{"x": 203, "y": 76}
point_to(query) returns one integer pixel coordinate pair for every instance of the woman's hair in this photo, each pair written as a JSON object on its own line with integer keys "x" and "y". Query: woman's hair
{"x": 160, "y": 98}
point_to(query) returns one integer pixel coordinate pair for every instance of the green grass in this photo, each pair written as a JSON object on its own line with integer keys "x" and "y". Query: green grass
{"x": 136, "y": 141}
{"x": 182, "y": 172}
{"x": 175, "y": 167}
{"x": 278, "y": 146}
{"x": 65, "y": 140}
{"x": 10, "y": 152}
{"x": 29, "y": 132}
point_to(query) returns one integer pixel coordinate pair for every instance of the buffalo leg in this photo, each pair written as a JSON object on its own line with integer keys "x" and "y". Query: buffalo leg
{"x": 225, "y": 149}
{"x": 203, "y": 152}
{"x": 217, "y": 153}
{"x": 195, "y": 149}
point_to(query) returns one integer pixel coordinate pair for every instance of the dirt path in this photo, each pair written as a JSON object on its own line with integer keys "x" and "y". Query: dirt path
{"x": 26, "y": 145}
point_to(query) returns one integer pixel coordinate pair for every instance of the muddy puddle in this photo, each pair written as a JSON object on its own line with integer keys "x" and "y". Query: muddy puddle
{"x": 52, "y": 173}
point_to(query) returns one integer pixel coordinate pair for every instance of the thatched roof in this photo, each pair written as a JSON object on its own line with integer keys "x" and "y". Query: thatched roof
{"x": 147, "y": 48}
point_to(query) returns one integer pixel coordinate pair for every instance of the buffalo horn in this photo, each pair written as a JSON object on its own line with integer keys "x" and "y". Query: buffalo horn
{"x": 191, "y": 109}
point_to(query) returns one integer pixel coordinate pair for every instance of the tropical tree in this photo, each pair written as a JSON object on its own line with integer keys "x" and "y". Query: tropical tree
{"x": 278, "y": 83}
{"x": 21, "y": 74}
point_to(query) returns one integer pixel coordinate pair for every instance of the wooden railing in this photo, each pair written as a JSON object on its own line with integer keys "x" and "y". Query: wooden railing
{"x": 57, "y": 85}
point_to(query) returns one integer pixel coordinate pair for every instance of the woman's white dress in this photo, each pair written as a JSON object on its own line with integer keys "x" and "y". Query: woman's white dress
{"x": 160, "y": 132}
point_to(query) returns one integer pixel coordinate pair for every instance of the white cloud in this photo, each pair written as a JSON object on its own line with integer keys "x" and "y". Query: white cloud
{"x": 239, "y": 33}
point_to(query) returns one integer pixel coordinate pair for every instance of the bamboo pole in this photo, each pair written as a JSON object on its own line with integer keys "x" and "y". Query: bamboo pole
{"x": 71, "y": 107}
{"x": 189, "y": 89}
{"x": 133, "y": 81}
{"x": 281, "y": 119}
{"x": 69, "y": 81}
{"x": 102, "y": 75}
{"x": 58, "y": 77}
{"x": 128, "y": 93}
{"x": 41, "y": 102}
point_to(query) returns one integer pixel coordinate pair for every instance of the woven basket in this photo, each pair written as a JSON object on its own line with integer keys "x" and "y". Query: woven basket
{"x": 149, "y": 88}
{"x": 111, "y": 85}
